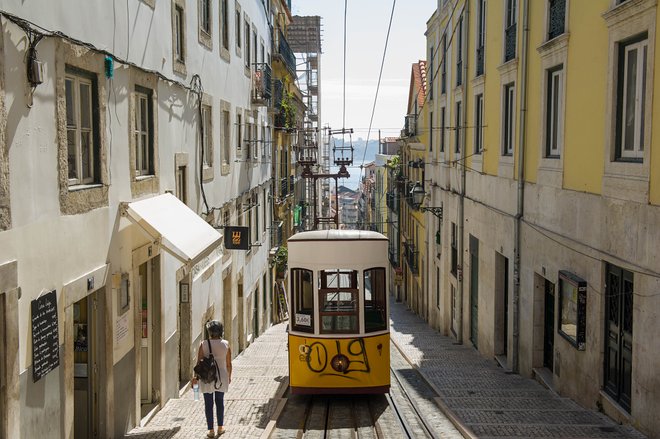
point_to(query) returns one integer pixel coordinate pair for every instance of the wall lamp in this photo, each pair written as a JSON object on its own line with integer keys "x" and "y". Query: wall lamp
{"x": 417, "y": 195}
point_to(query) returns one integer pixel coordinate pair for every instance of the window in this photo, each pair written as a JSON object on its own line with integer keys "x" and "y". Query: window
{"x": 454, "y": 249}
{"x": 338, "y": 301}
{"x": 237, "y": 28}
{"x": 430, "y": 71}
{"x": 442, "y": 129}
{"x": 82, "y": 125}
{"x": 443, "y": 66}
{"x": 179, "y": 34}
{"x": 302, "y": 292}
{"x": 459, "y": 52}
{"x": 510, "y": 31}
{"x": 248, "y": 53}
{"x": 264, "y": 143}
{"x": 224, "y": 25}
{"x": 431, "y": 131}
{"x": 554, "y": 113}
{"x": 631, "y": 99}
{"x": 239, "y": 133}
{"x": 478, "y": 123}
{"x": 254, "y": 47}
{"x": 207, "y": 136}
{"x": 226, "y": 137}
{"x": 144, "y": 135}
{"x": 255, "y": 208}
{"x": 572, "y": 308}
{"x": 556, "y": 18}
{"x": 457, "y": 137}
{"x": 205, "y": 16}
{"x": 507, "y": 120}
{"x": 181, "y": 186}
{"x": 375, "y": 300}
{"x": 248, "y": 140}
{"x": 481, "y": 36}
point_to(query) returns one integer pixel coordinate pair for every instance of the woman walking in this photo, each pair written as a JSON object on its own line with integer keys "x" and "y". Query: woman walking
{"x": 222, "y": 355}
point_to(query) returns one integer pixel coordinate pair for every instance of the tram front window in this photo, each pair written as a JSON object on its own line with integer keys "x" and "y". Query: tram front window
{"x": 303, "y": 299}
{"x": 338, "y": 299}
{"x": 375, "y": 305}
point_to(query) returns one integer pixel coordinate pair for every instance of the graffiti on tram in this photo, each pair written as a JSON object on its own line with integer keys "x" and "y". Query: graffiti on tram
{"x": 342, "y": 358}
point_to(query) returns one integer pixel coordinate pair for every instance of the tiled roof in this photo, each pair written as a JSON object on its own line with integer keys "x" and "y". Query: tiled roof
{"x": 419, "y": 74}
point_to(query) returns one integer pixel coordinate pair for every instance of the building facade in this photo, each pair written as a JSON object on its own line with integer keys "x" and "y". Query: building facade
{"x": 542, "y": 156}
{"x": 132, "y": 138}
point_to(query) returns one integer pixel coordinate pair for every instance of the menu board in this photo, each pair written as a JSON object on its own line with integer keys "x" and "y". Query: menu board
{"x": 45, "y": 339}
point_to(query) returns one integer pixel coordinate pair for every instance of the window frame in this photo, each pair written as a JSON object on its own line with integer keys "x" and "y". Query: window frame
{"x": 205, "y": 14}
{"x": 296, "y": 285}
{"x": 554, "y": 118}
{"x": 238, "y": 28}
{"x": 457, "y": 128}
{"x": 144, "y": 94}
{"x": 478, "y": 123}
{"x": 207, "y": 135}
{"x": 223, "y": 32}
{"x": 508, "y": 119}
{"x": 89, "y": 79}
{"x": 225, "y": 136}
{"x": 378, "y": 302}
{"x": 459, "y": 51}
{"x": 353, "y": 289}
{"x": 179, "y": 34}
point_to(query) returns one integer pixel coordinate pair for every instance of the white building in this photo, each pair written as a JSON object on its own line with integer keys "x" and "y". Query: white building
{"x": 131, "y": 134}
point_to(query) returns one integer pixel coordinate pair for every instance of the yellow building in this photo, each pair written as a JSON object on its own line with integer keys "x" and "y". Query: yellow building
{"x": 543, "y": 158}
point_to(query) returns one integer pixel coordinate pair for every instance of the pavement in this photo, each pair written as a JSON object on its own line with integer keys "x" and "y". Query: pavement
{"x": 480, "y": 398}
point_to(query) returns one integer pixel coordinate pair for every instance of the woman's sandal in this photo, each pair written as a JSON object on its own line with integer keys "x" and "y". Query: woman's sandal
{"x": 210, "y": 434}
{"x": 221, "y": 430}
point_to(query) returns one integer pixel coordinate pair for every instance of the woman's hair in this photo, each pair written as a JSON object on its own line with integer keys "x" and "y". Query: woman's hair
{"x": 215, "y": 329}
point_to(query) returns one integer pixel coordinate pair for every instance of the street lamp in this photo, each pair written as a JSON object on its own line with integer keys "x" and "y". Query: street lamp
{"x": 417, "y": 194}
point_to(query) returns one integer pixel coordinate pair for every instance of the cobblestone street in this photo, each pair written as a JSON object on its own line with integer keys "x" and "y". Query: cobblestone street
{"x": 482, "y": 399}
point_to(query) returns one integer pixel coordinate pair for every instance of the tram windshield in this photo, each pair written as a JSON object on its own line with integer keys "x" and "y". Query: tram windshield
{"x": 338, "y": 300}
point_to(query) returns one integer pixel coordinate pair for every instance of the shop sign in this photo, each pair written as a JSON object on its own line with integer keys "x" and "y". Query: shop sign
{"x": 237, "y": 238}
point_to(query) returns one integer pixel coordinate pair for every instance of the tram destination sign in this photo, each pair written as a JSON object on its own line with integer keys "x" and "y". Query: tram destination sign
{"x": 237, "y": 238}
{"x": 45, "y": 337}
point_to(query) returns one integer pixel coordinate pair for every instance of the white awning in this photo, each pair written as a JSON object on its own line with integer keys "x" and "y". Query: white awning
{"x": 181, "y": 231}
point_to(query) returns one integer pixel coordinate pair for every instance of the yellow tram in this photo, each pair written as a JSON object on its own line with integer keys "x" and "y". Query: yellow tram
{"x": 339, "y": 339}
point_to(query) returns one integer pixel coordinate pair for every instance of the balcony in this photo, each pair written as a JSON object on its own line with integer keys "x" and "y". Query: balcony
{"x": 392, "y": 200}
{"x": 285, "y": 52}
{"x": 411, "y": 257}
{"x": 284, "y": 187}
{"x": 261, "y": 84}
{"x": 410, "y": 126}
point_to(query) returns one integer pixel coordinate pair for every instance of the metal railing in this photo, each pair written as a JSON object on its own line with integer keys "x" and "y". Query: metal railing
{"x": 411, "y": 257}
{"x": 510, "y": 42}
{"x": 285, "y": 52}
{"x": 480, "y": 60}
{"x": 557, "y": 18}
{"x": 410, "y": 125}
{"x": 261, "y": 83}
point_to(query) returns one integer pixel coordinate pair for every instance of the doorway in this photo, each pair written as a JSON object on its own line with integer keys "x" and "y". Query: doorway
{"x": 474, "y": 291}
{"x": 3, "y": 367}
{"x": 186, "y": 354}
{"x": 619, "y": 335}
{"x": 255, "y": 312}
{"x": 549, "y": 325}
{"x": 86, "y": 343}
{"x": 241, "y": 319}
{"x": 148, "y": 292}
{"x": 501, "y": 305}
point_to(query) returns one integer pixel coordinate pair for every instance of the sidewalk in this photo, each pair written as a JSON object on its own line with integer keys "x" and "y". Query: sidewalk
{"x": 483, "y": 399}
{"x": 259, "y": 379}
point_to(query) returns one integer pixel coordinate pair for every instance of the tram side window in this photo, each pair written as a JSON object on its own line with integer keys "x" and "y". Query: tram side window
{"x": 375, "y": 304}
{"x": 302, "y": 288}
{"x": 338, "y": 298}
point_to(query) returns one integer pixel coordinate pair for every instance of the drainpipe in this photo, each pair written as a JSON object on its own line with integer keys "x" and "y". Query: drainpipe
{"x": 521, "y": 188}
{"x": 461, "y": 205}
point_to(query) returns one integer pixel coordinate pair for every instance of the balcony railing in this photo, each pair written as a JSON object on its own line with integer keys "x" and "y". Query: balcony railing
{"x": 276, "y": 234}
{"x": 286, "y": 53}
{"x": 284, "y": 187}
{"x": 410, "y": 126}
{"x": 557, "y": 18}
{"x": 411, "y": 257}
{"x": 278, "y": 94}
{"x": 480, "y": 60}
{"x": 510, "y": 43}
{"x": 261, "y": 83}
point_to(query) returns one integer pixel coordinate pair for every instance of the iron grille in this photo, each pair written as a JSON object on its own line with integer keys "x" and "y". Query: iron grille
{"x": 557, "y": 18}
{"x": 510, "y": 43}
{"x": 480, "y": 60}
{"x": 284, "y": 187}
{"x": 261, "y": 83}
{"x": 287, "y": 54}
{"x": 411, "y": 257}
{"x": 411, "y": 125}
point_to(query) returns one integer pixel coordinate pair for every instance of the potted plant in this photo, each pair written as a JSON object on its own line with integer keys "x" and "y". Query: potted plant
{"x": 280, "y": 260}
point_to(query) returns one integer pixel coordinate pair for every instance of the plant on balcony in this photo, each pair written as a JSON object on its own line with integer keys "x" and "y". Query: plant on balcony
{"x": 280, "y": 259}
{"x": 288, "y": 110}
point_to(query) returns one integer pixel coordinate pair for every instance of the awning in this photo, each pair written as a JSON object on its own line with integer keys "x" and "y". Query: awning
{"x": 181, "y": 231}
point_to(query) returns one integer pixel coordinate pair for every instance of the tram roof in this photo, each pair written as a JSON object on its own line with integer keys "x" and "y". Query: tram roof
{"x": 338, "y": 235}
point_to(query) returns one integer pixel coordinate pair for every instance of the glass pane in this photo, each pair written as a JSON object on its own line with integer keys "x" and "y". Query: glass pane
{"x": 555, "y": 112}
{"x": 70, "y": 106}
{"x": 339, "y": 324}
{"x": 145, "y": 153}
{"x": 303, "y": 299}
{"x": 630, "y": 92}
{"x": 374, "y": 300}
{"x": 85, "y": 106}
{"x": 568, "y": 310}
{"x": 71, "y": 153}
{"x": 144, "y": 115}
{"x": 642, "y": 99}
{"x": 86, "y": 152}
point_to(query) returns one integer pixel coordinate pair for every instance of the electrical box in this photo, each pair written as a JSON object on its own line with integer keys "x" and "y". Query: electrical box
{"x": 36, "y": 72}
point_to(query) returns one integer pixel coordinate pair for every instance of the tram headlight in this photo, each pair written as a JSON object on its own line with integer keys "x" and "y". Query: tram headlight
{"x": 340, "y": 363}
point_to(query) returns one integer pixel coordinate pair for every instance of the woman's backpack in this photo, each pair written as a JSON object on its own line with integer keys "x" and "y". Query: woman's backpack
{"x": 207, "y": 369}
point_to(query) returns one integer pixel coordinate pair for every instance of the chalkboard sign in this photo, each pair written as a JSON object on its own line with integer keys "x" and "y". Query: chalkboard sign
{"x": 45, "y": 339}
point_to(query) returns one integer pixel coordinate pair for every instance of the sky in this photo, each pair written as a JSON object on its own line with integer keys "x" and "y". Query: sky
{"x": 366, "y": 30}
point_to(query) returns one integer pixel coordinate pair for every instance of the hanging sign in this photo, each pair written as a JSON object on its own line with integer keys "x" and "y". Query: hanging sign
{"x": 237, "y": 238}
{"x": 45, "y": 338}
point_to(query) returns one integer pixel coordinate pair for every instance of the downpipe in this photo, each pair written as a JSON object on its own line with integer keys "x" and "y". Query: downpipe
{"x": 521, "y": 189}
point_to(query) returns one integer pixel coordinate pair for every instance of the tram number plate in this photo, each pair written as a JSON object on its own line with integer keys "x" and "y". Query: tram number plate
{"x": 303, "y": 320}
